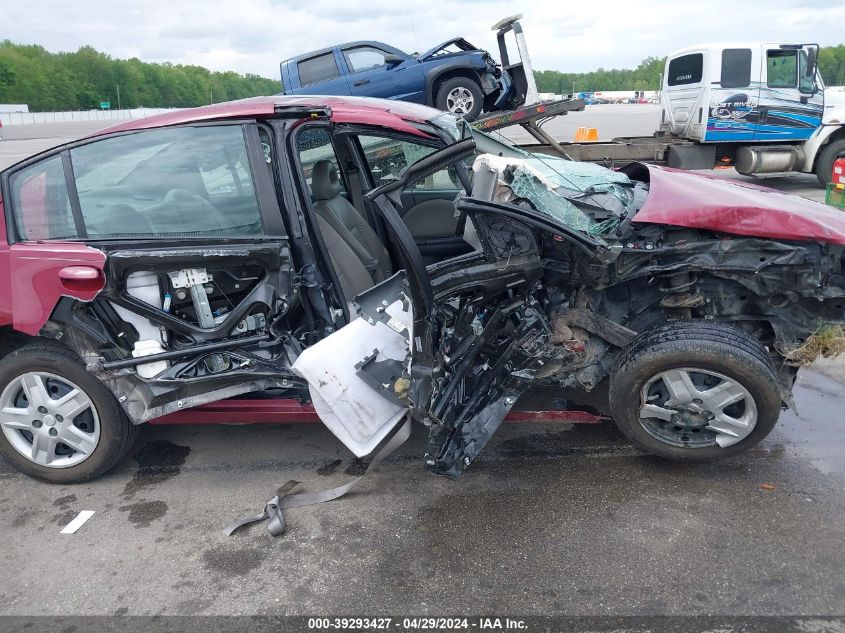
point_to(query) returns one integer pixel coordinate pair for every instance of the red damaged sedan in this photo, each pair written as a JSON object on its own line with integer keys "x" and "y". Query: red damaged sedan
{"x": 384, "y": 262}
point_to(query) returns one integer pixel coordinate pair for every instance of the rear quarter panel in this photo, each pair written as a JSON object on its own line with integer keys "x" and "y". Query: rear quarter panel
{"x": 35, "y": 288}
{"x": 5, "y": 273}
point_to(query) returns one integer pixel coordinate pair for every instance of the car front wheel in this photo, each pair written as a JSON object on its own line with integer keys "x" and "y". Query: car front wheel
{"x": 693, "y": 391}
{"x": 460, "y": 96}
{"x": 58, "y": 423}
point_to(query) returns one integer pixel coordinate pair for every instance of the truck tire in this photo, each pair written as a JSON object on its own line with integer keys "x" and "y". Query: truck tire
{"x": 461, "y": 96}
{"x": 58, "y": 423}
{"x": 694, "y": 391}
{"x": 824, "y": 163}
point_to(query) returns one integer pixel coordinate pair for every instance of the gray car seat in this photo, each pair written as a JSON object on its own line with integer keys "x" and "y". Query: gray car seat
{"x": 353, "y": 277}
{"x": 348, "y": 223}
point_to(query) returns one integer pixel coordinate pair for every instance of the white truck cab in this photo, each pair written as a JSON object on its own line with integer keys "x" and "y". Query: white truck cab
{"x": 760, "y": 106}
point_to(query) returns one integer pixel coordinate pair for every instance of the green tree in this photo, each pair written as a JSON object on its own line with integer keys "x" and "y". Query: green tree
{"x": 82, "y": 79}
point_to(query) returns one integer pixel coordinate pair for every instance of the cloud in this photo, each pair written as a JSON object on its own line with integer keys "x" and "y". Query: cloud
{"x": 255, "y": 35}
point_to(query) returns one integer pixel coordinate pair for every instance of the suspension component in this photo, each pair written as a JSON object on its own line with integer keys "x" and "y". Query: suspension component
{"x": 681, "y": 295}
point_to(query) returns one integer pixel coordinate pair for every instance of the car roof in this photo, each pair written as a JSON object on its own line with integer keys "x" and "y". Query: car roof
{"x": 328, "y": 49}
{"x": 396, "y": 115}
{"x": 720, "y": 46}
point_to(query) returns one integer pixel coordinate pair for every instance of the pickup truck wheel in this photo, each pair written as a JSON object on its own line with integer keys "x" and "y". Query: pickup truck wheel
{"x": 694, "y": 391}
{"x": 58, "y": 423}
{"x": 824, "y": 163}
{"x": 460, "y": 96}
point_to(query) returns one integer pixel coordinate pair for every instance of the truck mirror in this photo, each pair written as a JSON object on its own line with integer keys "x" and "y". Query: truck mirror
{"x": 810, "y": 70}
{"x": 392, "y": 60}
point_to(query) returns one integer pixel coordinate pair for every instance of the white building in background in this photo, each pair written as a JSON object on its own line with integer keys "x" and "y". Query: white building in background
{"x": 621, "y": 95}
{"x": 8, "y": 108}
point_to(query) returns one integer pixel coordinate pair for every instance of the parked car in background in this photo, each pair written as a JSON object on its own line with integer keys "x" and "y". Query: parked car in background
{"x": 454, "y": 76}
{"x": 214, "y": 253}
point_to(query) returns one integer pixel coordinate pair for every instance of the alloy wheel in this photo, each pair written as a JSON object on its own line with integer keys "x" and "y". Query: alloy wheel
{"x": 460, "y": 100}
{"x": 49, "y": 420}
{"x": 693, "y": 408}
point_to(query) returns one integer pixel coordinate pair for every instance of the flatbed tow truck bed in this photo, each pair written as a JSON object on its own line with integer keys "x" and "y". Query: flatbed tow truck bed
{"x": 619, "y": 151}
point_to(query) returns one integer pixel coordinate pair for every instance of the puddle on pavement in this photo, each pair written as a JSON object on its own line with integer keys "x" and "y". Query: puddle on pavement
{"x": 67, "y": 514}
{"x": 158, "y": 461}
{"x": 143, "y": 513}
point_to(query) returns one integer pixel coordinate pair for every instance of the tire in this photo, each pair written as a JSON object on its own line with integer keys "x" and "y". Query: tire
{"x": 461, "y": 96}
{"x": 824, "y": 163}
{"x": 48, "y": 370}
{"x": 711, "y": 355}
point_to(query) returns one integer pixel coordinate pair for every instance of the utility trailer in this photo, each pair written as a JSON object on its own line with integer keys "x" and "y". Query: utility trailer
{"x": 759, "y": 107}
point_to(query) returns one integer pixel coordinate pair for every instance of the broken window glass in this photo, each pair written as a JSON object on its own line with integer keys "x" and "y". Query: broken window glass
{"x": 582, "y": 196}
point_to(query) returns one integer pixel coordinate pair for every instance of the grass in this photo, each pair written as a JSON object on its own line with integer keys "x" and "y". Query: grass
{"x": 828, "y": 341}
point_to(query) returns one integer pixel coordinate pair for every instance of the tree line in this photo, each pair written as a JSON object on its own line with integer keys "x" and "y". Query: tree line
{"x": 647, "y": 75}
{"x": 83, "y": 79}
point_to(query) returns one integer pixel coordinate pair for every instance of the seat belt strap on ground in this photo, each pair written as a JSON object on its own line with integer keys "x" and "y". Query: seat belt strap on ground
{"x": 273, "y": 508}
{"x": 271, "y": 511}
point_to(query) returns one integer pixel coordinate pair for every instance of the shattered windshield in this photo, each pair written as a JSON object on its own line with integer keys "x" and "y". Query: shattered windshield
{"x": 584, "y": 196}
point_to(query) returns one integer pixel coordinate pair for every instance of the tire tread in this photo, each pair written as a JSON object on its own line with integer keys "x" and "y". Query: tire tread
{"x": 711, "y": 339}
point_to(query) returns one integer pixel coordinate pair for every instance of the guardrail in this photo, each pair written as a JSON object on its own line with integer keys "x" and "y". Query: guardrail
{"x": 31, "y": 118}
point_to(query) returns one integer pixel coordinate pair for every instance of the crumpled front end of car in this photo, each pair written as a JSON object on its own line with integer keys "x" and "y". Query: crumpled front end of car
{"x": 562, "y": 284}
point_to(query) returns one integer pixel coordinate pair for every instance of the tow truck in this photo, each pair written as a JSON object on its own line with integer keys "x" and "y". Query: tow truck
{"x": 759, "y": 107}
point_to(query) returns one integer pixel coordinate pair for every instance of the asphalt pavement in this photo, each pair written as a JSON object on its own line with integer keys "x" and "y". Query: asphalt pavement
{"x": 551, "y": 519}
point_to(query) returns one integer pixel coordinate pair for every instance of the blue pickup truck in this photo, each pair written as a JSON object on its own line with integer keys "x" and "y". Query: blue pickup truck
{"x": 454, "y": 76}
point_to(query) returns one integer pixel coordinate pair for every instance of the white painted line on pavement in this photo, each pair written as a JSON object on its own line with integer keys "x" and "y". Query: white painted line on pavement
{"x": 78, "y": 522}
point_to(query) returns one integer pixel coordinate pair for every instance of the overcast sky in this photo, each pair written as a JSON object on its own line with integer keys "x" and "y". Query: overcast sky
{"x": 255, "y": 35}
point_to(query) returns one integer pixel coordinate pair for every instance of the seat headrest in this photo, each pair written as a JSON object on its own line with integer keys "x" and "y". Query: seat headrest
{"x": 325, "y": 183}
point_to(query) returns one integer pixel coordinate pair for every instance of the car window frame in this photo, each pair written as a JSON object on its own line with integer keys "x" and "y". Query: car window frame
{"x": 305, "y": 230}
{"x": 437, "y": 143}
{"x": 330, "y": 53}
{"x": 692, "y": 82}
{"x": 379, "y": 132}
{"x": 299, "y": 165}
{"x": 349, "y": 66}
{"x": 735, "y": 84}
{"x": 783, "y": 53}
{"x": 269, "y": 206}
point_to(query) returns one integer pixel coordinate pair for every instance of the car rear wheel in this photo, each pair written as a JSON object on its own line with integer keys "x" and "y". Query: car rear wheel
{"x": 460, "y": 96}
{"x": 693, "y": 391}
{"x": 58, "y": 423}
{"x": 824, "y": 163}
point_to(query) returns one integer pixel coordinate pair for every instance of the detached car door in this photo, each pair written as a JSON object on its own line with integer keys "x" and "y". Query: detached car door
{"x": 161, "y": 258}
